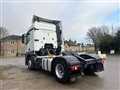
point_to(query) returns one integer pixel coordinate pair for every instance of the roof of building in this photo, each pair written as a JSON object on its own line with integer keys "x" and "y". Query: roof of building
{"x": 71, "y": 43}
{"x": 11, "y": 37}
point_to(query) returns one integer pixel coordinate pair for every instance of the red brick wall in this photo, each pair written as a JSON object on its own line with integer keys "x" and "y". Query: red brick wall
{"x": 12, "y": 47}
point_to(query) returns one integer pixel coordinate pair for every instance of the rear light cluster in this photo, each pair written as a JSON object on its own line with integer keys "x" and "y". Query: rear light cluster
{"x": 74, "y": 68}
{"x": 103, "y": 60}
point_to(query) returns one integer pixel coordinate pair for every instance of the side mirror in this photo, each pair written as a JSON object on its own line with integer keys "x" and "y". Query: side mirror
{"x": 23, "y": 38}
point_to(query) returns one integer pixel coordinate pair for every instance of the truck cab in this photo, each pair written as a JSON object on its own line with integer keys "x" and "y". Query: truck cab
{"x": 44, "y": 35}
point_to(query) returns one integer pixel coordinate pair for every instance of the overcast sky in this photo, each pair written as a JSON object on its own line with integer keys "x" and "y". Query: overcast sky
{"x": 77, "y": 16}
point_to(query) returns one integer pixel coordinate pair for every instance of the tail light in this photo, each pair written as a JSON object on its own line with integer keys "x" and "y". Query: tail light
{"x": 103, "y": 60}
{"x": 74, "y": 68}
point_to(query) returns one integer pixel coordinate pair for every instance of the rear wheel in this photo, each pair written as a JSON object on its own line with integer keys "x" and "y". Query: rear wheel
{"x": 61, "y": 72}
{"x": 89, "y": 70}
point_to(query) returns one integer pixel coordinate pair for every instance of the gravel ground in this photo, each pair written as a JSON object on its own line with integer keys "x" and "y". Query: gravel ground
{"x": 15, "y": 76}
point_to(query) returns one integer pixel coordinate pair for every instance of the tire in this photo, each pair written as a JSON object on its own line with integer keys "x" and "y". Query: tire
{"x": 60, "y": 71}
{"x": 31, "y": 65}
{"x": 89, "y": 71}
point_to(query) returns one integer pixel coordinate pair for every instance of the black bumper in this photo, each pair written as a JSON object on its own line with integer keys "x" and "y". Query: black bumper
{"x": 95, "y": 67}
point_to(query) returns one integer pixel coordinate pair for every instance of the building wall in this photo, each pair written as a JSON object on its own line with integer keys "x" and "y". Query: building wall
{"x": 78, "y": 48}
{"x": 12, "y": 47}
{"x": 73, "y": 48}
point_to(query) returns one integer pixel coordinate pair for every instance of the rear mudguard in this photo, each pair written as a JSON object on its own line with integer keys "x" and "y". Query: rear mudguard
{"x": 69, "y": 59}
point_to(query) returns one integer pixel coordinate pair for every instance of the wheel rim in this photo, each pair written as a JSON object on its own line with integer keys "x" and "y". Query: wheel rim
{"x": 29, "y": 64}
{"x": 59, "y": 71}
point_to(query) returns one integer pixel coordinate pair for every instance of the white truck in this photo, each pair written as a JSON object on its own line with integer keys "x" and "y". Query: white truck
{"x": 44, "y": 46}
{"x": 45, "y": 50}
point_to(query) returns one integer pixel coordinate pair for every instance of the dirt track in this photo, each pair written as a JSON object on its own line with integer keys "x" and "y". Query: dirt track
{"x": 15, "y": 76}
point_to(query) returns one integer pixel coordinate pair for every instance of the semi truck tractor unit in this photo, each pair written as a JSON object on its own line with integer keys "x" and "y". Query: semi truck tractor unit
{"x": 45, "y": 50}
{"x": 44, "y": 46}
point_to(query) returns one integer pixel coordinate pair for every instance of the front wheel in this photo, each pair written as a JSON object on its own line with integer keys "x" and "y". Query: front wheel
{"x": 30, "y": 65}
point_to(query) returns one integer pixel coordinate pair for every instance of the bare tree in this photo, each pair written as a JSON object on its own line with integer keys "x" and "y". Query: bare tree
{"x": 92, "y": 34}
{"x": 3, "y": 32}
{"x": 96, "y": 33}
